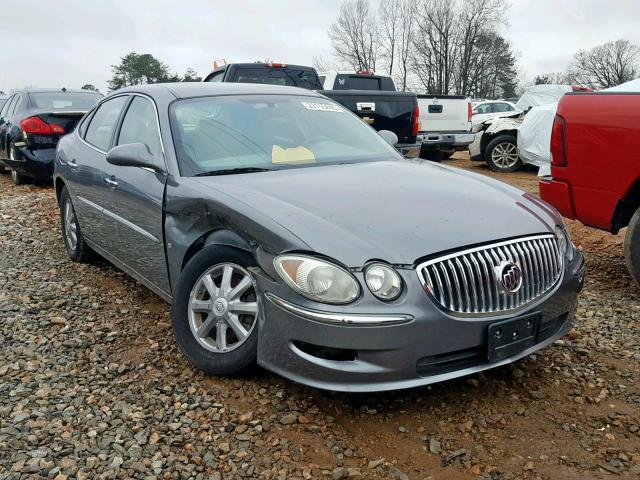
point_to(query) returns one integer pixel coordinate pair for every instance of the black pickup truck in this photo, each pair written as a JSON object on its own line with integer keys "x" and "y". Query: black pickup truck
{"x": 372, "y": 97}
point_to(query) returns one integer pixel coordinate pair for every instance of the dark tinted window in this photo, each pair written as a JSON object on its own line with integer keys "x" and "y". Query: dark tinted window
{"x": 502, "y": 107}
{"x": 363, "y": 82}
{"x": 79, "y": 101}
{"x": 484, "y": 108}
{"x": 216, "y": 77}
{"x": 140, "y": 125}
{"x": 103, "y": 123}
{"x": 278, "y": 76}
{"x": 12, "y": 105}
{"x": 5, "y": 107}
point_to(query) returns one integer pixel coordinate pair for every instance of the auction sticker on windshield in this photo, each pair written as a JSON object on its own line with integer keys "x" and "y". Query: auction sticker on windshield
{"x": 322, "y": 107}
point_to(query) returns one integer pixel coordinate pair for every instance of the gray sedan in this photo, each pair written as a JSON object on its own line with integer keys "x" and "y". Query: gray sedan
{"x": 285, "y": 231}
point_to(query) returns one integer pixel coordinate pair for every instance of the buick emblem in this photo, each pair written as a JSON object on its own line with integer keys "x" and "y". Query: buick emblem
{"x": 509, "y": 276}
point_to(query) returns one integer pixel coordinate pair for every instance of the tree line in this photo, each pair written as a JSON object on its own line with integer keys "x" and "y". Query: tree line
{"x": 603, "y": 66}
{"x": 454, "y": 47}
{"x": 142, "y": 68}
{"x": 439, "y": 46}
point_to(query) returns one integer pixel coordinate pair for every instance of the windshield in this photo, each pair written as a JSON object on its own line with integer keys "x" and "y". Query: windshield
{"x": 270, "y": 132}
{"x": 73, "y": 101}
{"x": 279, "y": 76}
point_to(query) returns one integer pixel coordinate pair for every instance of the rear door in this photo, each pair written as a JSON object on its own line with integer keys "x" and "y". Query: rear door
{"x": 134, "y": 203}
{"x": 3, "y": 127}
{"x": 85, "y": 169}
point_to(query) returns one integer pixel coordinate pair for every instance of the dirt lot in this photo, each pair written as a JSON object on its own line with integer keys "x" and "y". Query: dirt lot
{"x": 92, "y": 385}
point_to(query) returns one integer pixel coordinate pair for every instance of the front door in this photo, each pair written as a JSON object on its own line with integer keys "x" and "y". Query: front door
{"x": 134, "y": 200}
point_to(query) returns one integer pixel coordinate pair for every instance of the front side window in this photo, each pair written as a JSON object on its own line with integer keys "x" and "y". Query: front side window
{"x": 501, "y": 107}
{"x": 270, "y": 132}
{"x": 70, "y": 101}
{"x": 140, "y": 125}
{"x": 103, "y": 123}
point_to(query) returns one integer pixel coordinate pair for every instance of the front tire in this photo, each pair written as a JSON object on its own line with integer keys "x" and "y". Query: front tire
{"x": 74, "y": 241}
{"x": 215, "y": 311}
{"x": 632, "y": 247}
{"x": 502, "y": 154}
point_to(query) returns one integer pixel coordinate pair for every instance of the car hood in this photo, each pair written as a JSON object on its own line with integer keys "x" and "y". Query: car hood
{"x": 397, "y": 211}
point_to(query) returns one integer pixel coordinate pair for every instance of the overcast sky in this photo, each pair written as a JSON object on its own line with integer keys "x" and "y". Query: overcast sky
{"x": 73, "y": 42}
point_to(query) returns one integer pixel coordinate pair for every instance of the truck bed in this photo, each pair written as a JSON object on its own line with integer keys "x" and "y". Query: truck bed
{"x": 382, "y": 110}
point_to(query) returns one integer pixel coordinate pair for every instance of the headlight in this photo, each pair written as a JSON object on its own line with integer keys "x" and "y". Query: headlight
{"x": 317, "y": 279}
{"x": 564, "y": 242}
{"x": 383, "y": 281}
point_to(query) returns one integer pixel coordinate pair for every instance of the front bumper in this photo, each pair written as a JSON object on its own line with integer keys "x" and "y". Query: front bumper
{"x": 34, "y": 163}
{"x": 419, "y": 345}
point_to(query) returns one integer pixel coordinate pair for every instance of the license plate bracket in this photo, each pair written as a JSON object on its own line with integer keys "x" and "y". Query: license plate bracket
{"x": 509, "y": 337}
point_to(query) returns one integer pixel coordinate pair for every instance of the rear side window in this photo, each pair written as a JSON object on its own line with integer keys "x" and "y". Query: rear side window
{"x": 278, "y": 76}
{"x": 103, "y": 123}
{"x": 485, "y": 108}
{"x": 216, "y": 77}
{"x": 140, "y": 126}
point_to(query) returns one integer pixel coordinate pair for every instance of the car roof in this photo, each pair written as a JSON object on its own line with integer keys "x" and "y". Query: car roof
{"x": 207, "y": 89}
{"x": 49, "y": 90}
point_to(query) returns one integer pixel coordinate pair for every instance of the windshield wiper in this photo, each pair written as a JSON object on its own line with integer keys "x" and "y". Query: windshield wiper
{"x": 230, "y": 171}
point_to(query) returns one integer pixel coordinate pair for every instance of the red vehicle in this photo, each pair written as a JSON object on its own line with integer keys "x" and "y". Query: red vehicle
{"x": 595, "y": 150}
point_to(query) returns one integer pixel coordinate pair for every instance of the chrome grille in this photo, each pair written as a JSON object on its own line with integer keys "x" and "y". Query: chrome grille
{"x": 466, "y": 282}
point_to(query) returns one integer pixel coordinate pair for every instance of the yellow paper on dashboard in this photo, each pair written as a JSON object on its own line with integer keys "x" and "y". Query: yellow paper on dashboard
{"x": 291, "y": 155}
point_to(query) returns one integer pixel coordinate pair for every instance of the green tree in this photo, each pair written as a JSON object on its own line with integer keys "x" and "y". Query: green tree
{"x": 138, "y": 69}
{"x": 191, "y": 76}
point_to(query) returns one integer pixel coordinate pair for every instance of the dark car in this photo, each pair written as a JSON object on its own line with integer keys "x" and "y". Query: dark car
{"x": 267, "y": 73}
{"x": 31, "y": 123}
{"x": 285, "y": 231}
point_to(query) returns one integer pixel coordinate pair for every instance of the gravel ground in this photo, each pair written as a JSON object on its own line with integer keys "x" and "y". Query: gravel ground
{"x": 92, "y": 386}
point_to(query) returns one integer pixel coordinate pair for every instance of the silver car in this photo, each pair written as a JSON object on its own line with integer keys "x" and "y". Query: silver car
{"x": 285, "y": 231}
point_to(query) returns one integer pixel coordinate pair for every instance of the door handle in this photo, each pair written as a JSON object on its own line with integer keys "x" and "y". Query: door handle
{"x": 72, "y": 164}
{"x": 111, "y": 183}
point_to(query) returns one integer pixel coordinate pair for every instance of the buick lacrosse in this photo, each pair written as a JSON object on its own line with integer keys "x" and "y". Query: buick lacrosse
{"x": 285, "y": 231}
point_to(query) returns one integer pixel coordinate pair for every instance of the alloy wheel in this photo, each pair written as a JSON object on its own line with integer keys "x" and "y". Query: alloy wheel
{"x": 223, "y": 307}
{"x": 505, "y": 155}
{"x": 70, "y": 226}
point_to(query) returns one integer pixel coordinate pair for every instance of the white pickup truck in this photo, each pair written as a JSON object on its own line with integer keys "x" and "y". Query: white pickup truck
{"x": 445, "y": 125}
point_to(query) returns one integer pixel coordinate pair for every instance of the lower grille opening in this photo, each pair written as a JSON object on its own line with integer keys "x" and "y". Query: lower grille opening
{"x": 326, "y": 353}
{"x": 550, "y": 328}
{"x": 451, "y": 361}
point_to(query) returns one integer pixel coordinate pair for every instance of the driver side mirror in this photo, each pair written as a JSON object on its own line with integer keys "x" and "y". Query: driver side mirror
{"x": 389, "y": 137}
{"x": 133, "y": 155}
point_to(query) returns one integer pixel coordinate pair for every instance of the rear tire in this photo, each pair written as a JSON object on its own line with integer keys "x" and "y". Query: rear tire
{"x": 74, "y": 241}
{"x": 446, "y": 154}
{"x": 17, "y": 178}
{"x": 632, "y": 247}
{"x": 214, "y": 327}
{"x": 502, "y": 154}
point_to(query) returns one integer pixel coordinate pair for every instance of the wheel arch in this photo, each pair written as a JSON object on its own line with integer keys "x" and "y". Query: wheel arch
{"x": 626, "y": 207}
{"x": 59, "y": 185}
{"x": 222, "y": 237}
{"x": 487, "y": 138}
